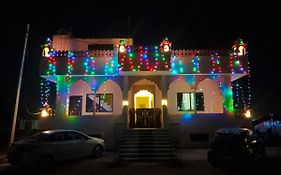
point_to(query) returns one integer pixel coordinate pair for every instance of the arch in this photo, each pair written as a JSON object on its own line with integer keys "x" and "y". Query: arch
{"x": 111, "y": 87}
{"x": 79, "y": 88}
{"x": 213, "y": 100}
{"x": 145, "y": 84}
{"x": 179, "y": 85}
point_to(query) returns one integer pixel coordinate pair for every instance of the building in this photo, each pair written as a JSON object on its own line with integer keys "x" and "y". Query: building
{"x": 107, "y": 85}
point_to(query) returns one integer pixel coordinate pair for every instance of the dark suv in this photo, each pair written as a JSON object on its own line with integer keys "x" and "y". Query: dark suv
{"x": 240, "y": 144}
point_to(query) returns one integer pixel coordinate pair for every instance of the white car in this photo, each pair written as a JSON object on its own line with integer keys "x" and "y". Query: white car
{"x": 47, "y": 147}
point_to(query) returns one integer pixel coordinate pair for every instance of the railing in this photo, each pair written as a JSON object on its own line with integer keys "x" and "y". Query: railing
{"x": 145, "y": 118}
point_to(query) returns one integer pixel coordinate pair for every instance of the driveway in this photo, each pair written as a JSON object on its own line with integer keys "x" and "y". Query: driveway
{"x": 193, "y": 162}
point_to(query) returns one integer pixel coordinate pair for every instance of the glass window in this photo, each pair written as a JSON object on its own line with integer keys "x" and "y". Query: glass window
{"x": 189, "y": 101}
{"x": 90, "y": 102}
{"x": 104, "y": 102}
{"x": 75, "y": 105}
{"x": 185, "y": 101}
{"x": 199, "y": 101}
{"x": 74, "y": 136}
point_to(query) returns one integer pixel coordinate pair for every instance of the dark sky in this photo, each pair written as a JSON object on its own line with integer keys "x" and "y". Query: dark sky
{"x": 190, "y": 25}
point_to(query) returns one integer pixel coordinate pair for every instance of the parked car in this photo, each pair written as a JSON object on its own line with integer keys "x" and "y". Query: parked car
{"x": 47, "y": 147}
{"x": 268, "y": 127}
{"x": 239, "y": 144}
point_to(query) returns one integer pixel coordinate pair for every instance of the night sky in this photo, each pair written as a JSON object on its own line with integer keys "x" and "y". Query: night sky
{"x": 193, "y": 25}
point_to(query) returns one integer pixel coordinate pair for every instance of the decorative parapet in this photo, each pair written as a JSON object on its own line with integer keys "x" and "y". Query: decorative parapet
{"x": 65, "y": 53}
{"x": 199, "y": 52}
{"x": 110, "y": 63}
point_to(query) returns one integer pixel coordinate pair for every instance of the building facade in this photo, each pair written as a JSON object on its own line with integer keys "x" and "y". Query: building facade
{"x": 107, "y": 85}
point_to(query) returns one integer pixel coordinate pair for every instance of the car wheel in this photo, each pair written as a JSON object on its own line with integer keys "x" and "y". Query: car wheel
{"x": 45, "y": 162}
{"x": 97, "y": 151}
{"x": 212, "y": 158}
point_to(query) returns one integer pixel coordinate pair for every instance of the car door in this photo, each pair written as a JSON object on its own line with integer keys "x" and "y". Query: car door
{"x": 80, "y": 144}
{"x": 59, "y": 146}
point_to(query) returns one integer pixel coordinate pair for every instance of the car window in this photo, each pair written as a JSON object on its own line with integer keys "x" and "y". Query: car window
{"x": 55, "y": 137}
{"x": 38, "y": 136}
{"x": 74, "y": 136}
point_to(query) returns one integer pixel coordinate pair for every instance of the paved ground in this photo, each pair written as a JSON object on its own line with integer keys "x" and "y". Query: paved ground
{"x": 193, "y": 162}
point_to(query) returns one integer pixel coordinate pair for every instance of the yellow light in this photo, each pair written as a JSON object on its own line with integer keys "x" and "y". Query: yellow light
{"x": 122, "y": 49}
{"x": 248, "y": 114}
{"x": 166, "y": 48}
{"x": 44, "y": 113}
{"x": 125, "y": 103}
{"x": 164, "y": 102}
{"x": 45, "y": 52}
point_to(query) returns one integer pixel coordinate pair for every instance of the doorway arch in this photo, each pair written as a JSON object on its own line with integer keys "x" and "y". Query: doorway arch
{"x": 144, "y": 97}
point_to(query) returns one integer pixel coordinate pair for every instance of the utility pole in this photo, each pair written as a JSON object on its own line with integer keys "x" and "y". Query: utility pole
{"x": 19, "y": 87}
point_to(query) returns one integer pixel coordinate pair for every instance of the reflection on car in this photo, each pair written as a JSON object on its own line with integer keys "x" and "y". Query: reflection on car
{"x": 268, "y": 127}
{"x": 240, "y": 144}
{"x": 44, "y": 148}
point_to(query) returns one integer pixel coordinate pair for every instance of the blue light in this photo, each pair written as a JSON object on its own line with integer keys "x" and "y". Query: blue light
{"x": 186, "y": 118}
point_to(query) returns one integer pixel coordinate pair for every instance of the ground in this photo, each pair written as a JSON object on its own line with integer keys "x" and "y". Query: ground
{"x": 193, "y": 161}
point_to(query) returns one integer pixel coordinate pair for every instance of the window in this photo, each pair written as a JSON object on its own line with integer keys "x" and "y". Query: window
{"x": 75, "y": 105}
{"x": 199, "y": 101}
{"x": 185, "y": 101}
{"x": 74, "y": 136}
{"x": 90, "y": 102}
{"x": 104, "y": 102}
{"x": 189, "y": 101}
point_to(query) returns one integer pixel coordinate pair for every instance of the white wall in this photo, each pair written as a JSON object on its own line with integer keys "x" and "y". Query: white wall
{"x": 213, "y": 99}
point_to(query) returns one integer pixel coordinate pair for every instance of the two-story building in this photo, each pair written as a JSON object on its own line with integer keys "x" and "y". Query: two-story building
{"x": 103, "y": 84}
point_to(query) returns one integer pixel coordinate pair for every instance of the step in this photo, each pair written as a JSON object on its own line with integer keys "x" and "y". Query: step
{"x": 149, "y": 159}
{"x": 137, "y": 146}
{"x": 147, "y": 150}
{"x": 146, "y": 154}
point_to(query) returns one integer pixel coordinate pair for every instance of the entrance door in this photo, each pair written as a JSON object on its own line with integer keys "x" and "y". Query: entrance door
{"x": 144, "y": 116}
{"x": 143, "y": 99}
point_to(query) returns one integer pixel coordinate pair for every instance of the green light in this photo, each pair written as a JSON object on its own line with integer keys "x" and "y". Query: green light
{"x": 130, "y": 54}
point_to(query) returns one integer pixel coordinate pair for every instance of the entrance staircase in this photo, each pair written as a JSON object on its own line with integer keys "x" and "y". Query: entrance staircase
{"x": 146, "y": 145}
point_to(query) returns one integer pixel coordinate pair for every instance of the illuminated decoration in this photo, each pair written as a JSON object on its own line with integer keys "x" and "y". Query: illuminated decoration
{"x": 44, "y": 113}
{"x": 89, "y": 64}
{"x": 216, "y": 64}
{"x": 122, "y": 46}
{"x": 44, "y": 92}
{"x": 239, "y": 47}
{"x": 195, "y": 64}
{"x": 235, "y": 65}
{"x": 166, "y": 45}
{"x": 247, "y": 113}
{"x": 111, "y": 66}
{"x": 70, "y": 62}
{"x": 242, "y": 93}
{"x": 228, "y": 98}
{"x": 52, "y": 64}
{"x": 177, "y": 67}
{"x": 47, "y": 48}
{"x": 142, "y": 58}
